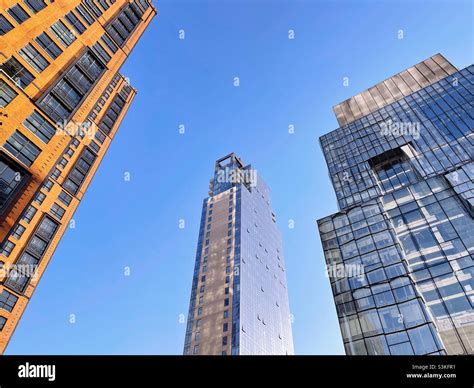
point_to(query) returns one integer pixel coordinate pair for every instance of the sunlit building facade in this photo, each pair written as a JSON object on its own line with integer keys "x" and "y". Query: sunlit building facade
{"x": 239, "y": 298}
{"x": 400, "y": 249}
{"x": 61, "y": 102}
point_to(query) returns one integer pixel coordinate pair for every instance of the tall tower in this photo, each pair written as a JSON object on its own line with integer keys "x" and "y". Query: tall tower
{"x": 239, "y": 296}
{"x": 61, "y": 102}
{"x": 400, "y": 249}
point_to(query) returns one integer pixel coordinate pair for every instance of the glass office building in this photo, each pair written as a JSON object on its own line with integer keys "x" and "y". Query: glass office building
{"x": 239, "y": 297}
{"x": 400, "y": 249}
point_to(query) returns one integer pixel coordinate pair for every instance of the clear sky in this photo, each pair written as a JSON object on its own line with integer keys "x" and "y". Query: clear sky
{"x": 190, "y": 82}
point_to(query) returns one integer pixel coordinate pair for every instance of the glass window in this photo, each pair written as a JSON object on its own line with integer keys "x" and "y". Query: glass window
{"x": 23, "y": 149}
{"x": 422, "y": 340}
{"x": 5, "y": 25}
{"x": 18, "y": 13}
{"x": 391, "y": 319}
{"x": 7, "y": 94}
{"x": 35, "y": 5}
{"x": 370, "y": 323}
{"x": 412, "y": 313}
{"x": 34, "y": 58}
{"x": 38, "y": 125}
{"x": 48, "y": 45}
{"x": 62, "y": 33}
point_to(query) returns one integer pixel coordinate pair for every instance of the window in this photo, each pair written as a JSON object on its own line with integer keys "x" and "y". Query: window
{"x": 110, "y": 44}
{"x": 12, "y": 179}
{"x": 29, "y": 214}
{"x": 3, "y": 320}
{"x": 65, "y": 198}
{"x": 34, "y": 58}
{"x": 18, "y": 13}
{"x": 75, "y": 23}
{"x": 226, "y": 314}
{"x": 111, "y": 116}
{"x": 39, "y": 198}
{"x": 92, "y": 7}
{"x": 5, "y": 25}
{"x": 35, "y": 5}
{"x": 391, "y": 319}
{"x": 196, "y": 349}
{"x": 23, "y": 149}
{"x": 38, "y": 125}
{"x": 17, "y": 72}
{"x": 226, "y": 301}
{"x": 47, "y": 186}
{"x": 370, "y": 323}
{"x": 7, "y": 94}
{"x": 422, "y": 340}
{"x": 62, "y": 33}
{"x": 82, "y": 12}
{"x": 57, "y": 211}
{"x": 18, "y": 231}
{"x": 54, "y": 108}
{"x": 103, "y": 4}
{"x": 7, "y": 248}
{"x": 225, "y": 327}
{"x": 7, "y": 300}
{"x": 224, "y": 341}
{"x": 48, "y": 45}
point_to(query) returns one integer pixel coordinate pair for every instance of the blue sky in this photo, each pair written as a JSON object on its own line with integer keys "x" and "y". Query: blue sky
{"x": 190, "y": 82}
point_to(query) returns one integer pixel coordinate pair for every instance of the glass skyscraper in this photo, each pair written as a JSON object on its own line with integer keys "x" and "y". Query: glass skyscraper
{"x": 239, "y": 297}
{"x": 400, "y": 249}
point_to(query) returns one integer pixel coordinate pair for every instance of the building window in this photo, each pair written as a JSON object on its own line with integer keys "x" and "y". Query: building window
{"x": 75, "y": 23}
{"x": 226, "y": 291}
{"x": 92, "y": 7}
{"x": 34, "y": 58}
{"x": 224, "y": 341}
{"x": 7, "y": 94}
{"x": 7, "y": 300}
{"x": 226, "y": 302}
{"x": 18, "y": 231}
{"x": 35, "y": 5}
{"x": 57, "y": 211}
{"x": 17, "y": 73}
{"x": 18, "y": 13}
{"x": 12, "y": 179}
{"x": 84, "y": 14}
{"x": 196, "y": 349}
{"x": 225, "y": 327}
{"x": 65, "y": 198}
{"x": 199, "y": 312}
{"x": 3, "y": 320}
{"x": 39, "y": 198}
{"x": 79, "y": 172}
{"x": 21, "y": 148}
{"x": 48, "y": 45}
{"x": 38, "y": 125}
{"x": 226, "y": 314}
{"x": 7, "y": 248}
{"x": 29, "y": 214}
{"x": 112, "y": 114}
{"x": 62, "y": 33}
{"x": 5, "y": 25}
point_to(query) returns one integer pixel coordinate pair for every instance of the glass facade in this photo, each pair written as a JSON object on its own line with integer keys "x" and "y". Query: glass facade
{"x": 400, "y": 250}
{"x": 239, "y": 299}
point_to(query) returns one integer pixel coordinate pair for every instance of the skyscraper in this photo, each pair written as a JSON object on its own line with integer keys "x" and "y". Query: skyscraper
{"x": 400, "y": 249}
{"x": 239, "y": 297}
{"x": 61, "y": 102}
